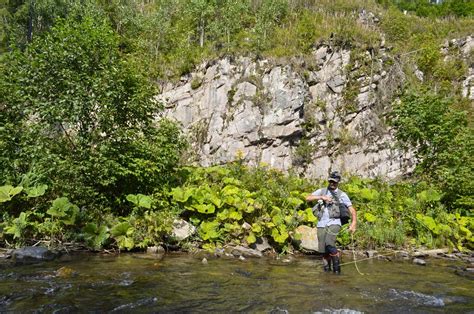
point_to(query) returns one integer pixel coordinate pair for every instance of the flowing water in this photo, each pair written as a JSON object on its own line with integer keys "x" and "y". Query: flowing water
{"x": 183, "y": 283}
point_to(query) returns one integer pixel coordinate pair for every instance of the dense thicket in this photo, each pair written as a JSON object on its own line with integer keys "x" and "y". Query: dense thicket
{"x": 82, "y": 158}
{"x": 78, "y": 116}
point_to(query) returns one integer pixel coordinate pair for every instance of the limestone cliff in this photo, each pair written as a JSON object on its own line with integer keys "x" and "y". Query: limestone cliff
{"x": 311, "y": 114}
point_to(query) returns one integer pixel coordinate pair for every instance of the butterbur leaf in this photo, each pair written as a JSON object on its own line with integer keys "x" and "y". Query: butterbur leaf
{"x": 370, "y": 217}
{"x": 209, "y": 230}
{"x": 279, "y": 236}
{"x": 257, "y": 228}
{"x": 232, "y": 181}
{"x": 4, "y": 195}
{"x": 294, "y": 202}
{"x": 59, "y": 207}
{"x": 8, "y": 191}
{"x": 205, "y": 208}
{"x": 16, "y": 191}
{"x": 251, "y": 238}
{"x": 181, "y": 194}
{"x": 309, "y": 215}
{"x": 140, "y": 200}
{"x": 125, "y": 242}
{"x": 215, "y": 200}
{"x": 36, "y": 191}
{"x": 235, "y": 215}
{"x": 120, "y": 229}
{"x": 230, "y": 190}
{"x": 429, "y": 195}
{"x": 369, "y": 194}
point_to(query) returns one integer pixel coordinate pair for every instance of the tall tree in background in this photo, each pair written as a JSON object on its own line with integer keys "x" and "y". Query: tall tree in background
{"x": 79, "y": 116}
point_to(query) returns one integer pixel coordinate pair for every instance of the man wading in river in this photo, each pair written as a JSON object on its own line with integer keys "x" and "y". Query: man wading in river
{"x": 332, "y": 210}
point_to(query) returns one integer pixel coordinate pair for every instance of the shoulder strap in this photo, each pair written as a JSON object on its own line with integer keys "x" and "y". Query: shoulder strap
{"x": 336, "y": 196}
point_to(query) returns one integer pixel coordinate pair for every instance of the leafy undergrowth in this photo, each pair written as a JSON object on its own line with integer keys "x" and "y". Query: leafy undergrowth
{"x": 236, "y": 204}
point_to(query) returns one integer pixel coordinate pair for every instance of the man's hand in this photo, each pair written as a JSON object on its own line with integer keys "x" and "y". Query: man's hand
{"x": 352, "y": 228}
{"x": 326, "y": 198}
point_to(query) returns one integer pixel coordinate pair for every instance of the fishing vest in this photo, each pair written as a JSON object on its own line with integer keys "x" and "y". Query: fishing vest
{"x": 336, "y": 209}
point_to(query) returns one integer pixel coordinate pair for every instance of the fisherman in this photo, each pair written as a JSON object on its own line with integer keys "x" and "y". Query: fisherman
{"x": 333, "y": 210}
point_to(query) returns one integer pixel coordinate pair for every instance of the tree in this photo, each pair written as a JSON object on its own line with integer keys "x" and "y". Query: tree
{"x": 79, "y": 115}
{"x": 443, "y": 143}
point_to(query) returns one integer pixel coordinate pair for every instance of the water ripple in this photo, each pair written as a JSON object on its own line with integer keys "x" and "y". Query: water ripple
{"x": 417, "y": 297}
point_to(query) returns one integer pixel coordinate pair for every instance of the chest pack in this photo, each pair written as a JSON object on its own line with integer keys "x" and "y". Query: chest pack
{"x": 336, "y": 209}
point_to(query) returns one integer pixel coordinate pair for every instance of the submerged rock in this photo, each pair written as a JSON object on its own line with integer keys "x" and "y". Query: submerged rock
{"x": 33, "y": 254}
{"x": 419, "y": 261}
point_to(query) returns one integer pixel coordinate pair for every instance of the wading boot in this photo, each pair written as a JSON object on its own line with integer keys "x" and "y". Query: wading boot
{"x": 326, "y": 262}
{"x": 336, "y": 262}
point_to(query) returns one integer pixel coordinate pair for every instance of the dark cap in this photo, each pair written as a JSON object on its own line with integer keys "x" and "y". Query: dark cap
{"x": 334, "y": 176}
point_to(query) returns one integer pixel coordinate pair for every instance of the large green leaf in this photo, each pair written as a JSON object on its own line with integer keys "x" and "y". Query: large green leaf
{"x": 205, "y": 208}
{"x": 429, "y": 195}
{"x": 280, "y": 235}
{"x": 181, "y": 194}
{"x": 251, "y": 238}
{"x": 59, "y": 207}
{"x": 369, "y": 217}
{"x": 120, "y": 229}
{"x": 294, "y": 202}
{"x": 369, "y": 194}
{"x": 8, "y": 191}
{"x": 140, "y": 200}
{"x": 208, "y": 230}
{"x": 36, "y": 191}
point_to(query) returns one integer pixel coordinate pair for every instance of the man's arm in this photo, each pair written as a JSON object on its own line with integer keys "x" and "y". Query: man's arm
{"x": 313, "y": 197}
{"x": 353, "y": 226}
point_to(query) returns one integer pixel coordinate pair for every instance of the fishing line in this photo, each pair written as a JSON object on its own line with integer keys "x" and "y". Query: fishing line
{"x": 354, "y": 254}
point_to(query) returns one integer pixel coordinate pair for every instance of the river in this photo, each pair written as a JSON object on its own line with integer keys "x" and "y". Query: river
{"x": 183, "y": 283}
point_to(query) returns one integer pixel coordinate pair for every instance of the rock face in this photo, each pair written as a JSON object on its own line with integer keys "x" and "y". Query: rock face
{"x": 310, "y": 114}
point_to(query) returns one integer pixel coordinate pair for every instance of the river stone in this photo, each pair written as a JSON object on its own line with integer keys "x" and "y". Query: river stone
{"x": 261, "y": 245}
{"x": 371, "y": 253}
{"x": 419, "y": 261}
{"x": 32, "y": 254}
{"x": 309, "y": 238}
{"x": 157, "y": 249}
{"x": 245, "y": 252}
{"x": 182, "y": 229}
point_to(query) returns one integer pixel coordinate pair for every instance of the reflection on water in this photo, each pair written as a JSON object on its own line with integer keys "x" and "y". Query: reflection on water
{"x": 182, "y": 283}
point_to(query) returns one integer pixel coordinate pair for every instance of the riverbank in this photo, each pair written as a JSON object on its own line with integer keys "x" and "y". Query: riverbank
{"x": 462, "y": 262}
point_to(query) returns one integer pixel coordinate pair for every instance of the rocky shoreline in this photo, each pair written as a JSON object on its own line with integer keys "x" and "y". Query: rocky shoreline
{"x": 422, "y": 257}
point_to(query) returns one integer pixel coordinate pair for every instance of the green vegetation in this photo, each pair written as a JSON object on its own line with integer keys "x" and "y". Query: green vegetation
{"x": 83, "y": 160}
{"x": 237, "y": 204}
{"x": 455, "y": 8}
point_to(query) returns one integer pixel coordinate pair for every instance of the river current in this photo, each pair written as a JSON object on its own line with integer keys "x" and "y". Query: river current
{"x": 183, "y": 283}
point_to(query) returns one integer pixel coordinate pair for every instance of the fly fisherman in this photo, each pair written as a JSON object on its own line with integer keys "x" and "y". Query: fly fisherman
{"x": 333, "y": 210}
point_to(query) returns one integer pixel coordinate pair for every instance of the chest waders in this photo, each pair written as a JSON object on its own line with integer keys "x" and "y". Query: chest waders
{"x": 331, "y": 257}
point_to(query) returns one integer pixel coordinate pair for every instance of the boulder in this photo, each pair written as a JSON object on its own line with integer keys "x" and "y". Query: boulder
{"x": 261, "y": 245}
{"x": 182, "y": 230}
{"x": 33, "y": 254}
{"x": 309, "y": 238}
{"x": 157, "y": 249}
{"x": 241, "y": 251}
